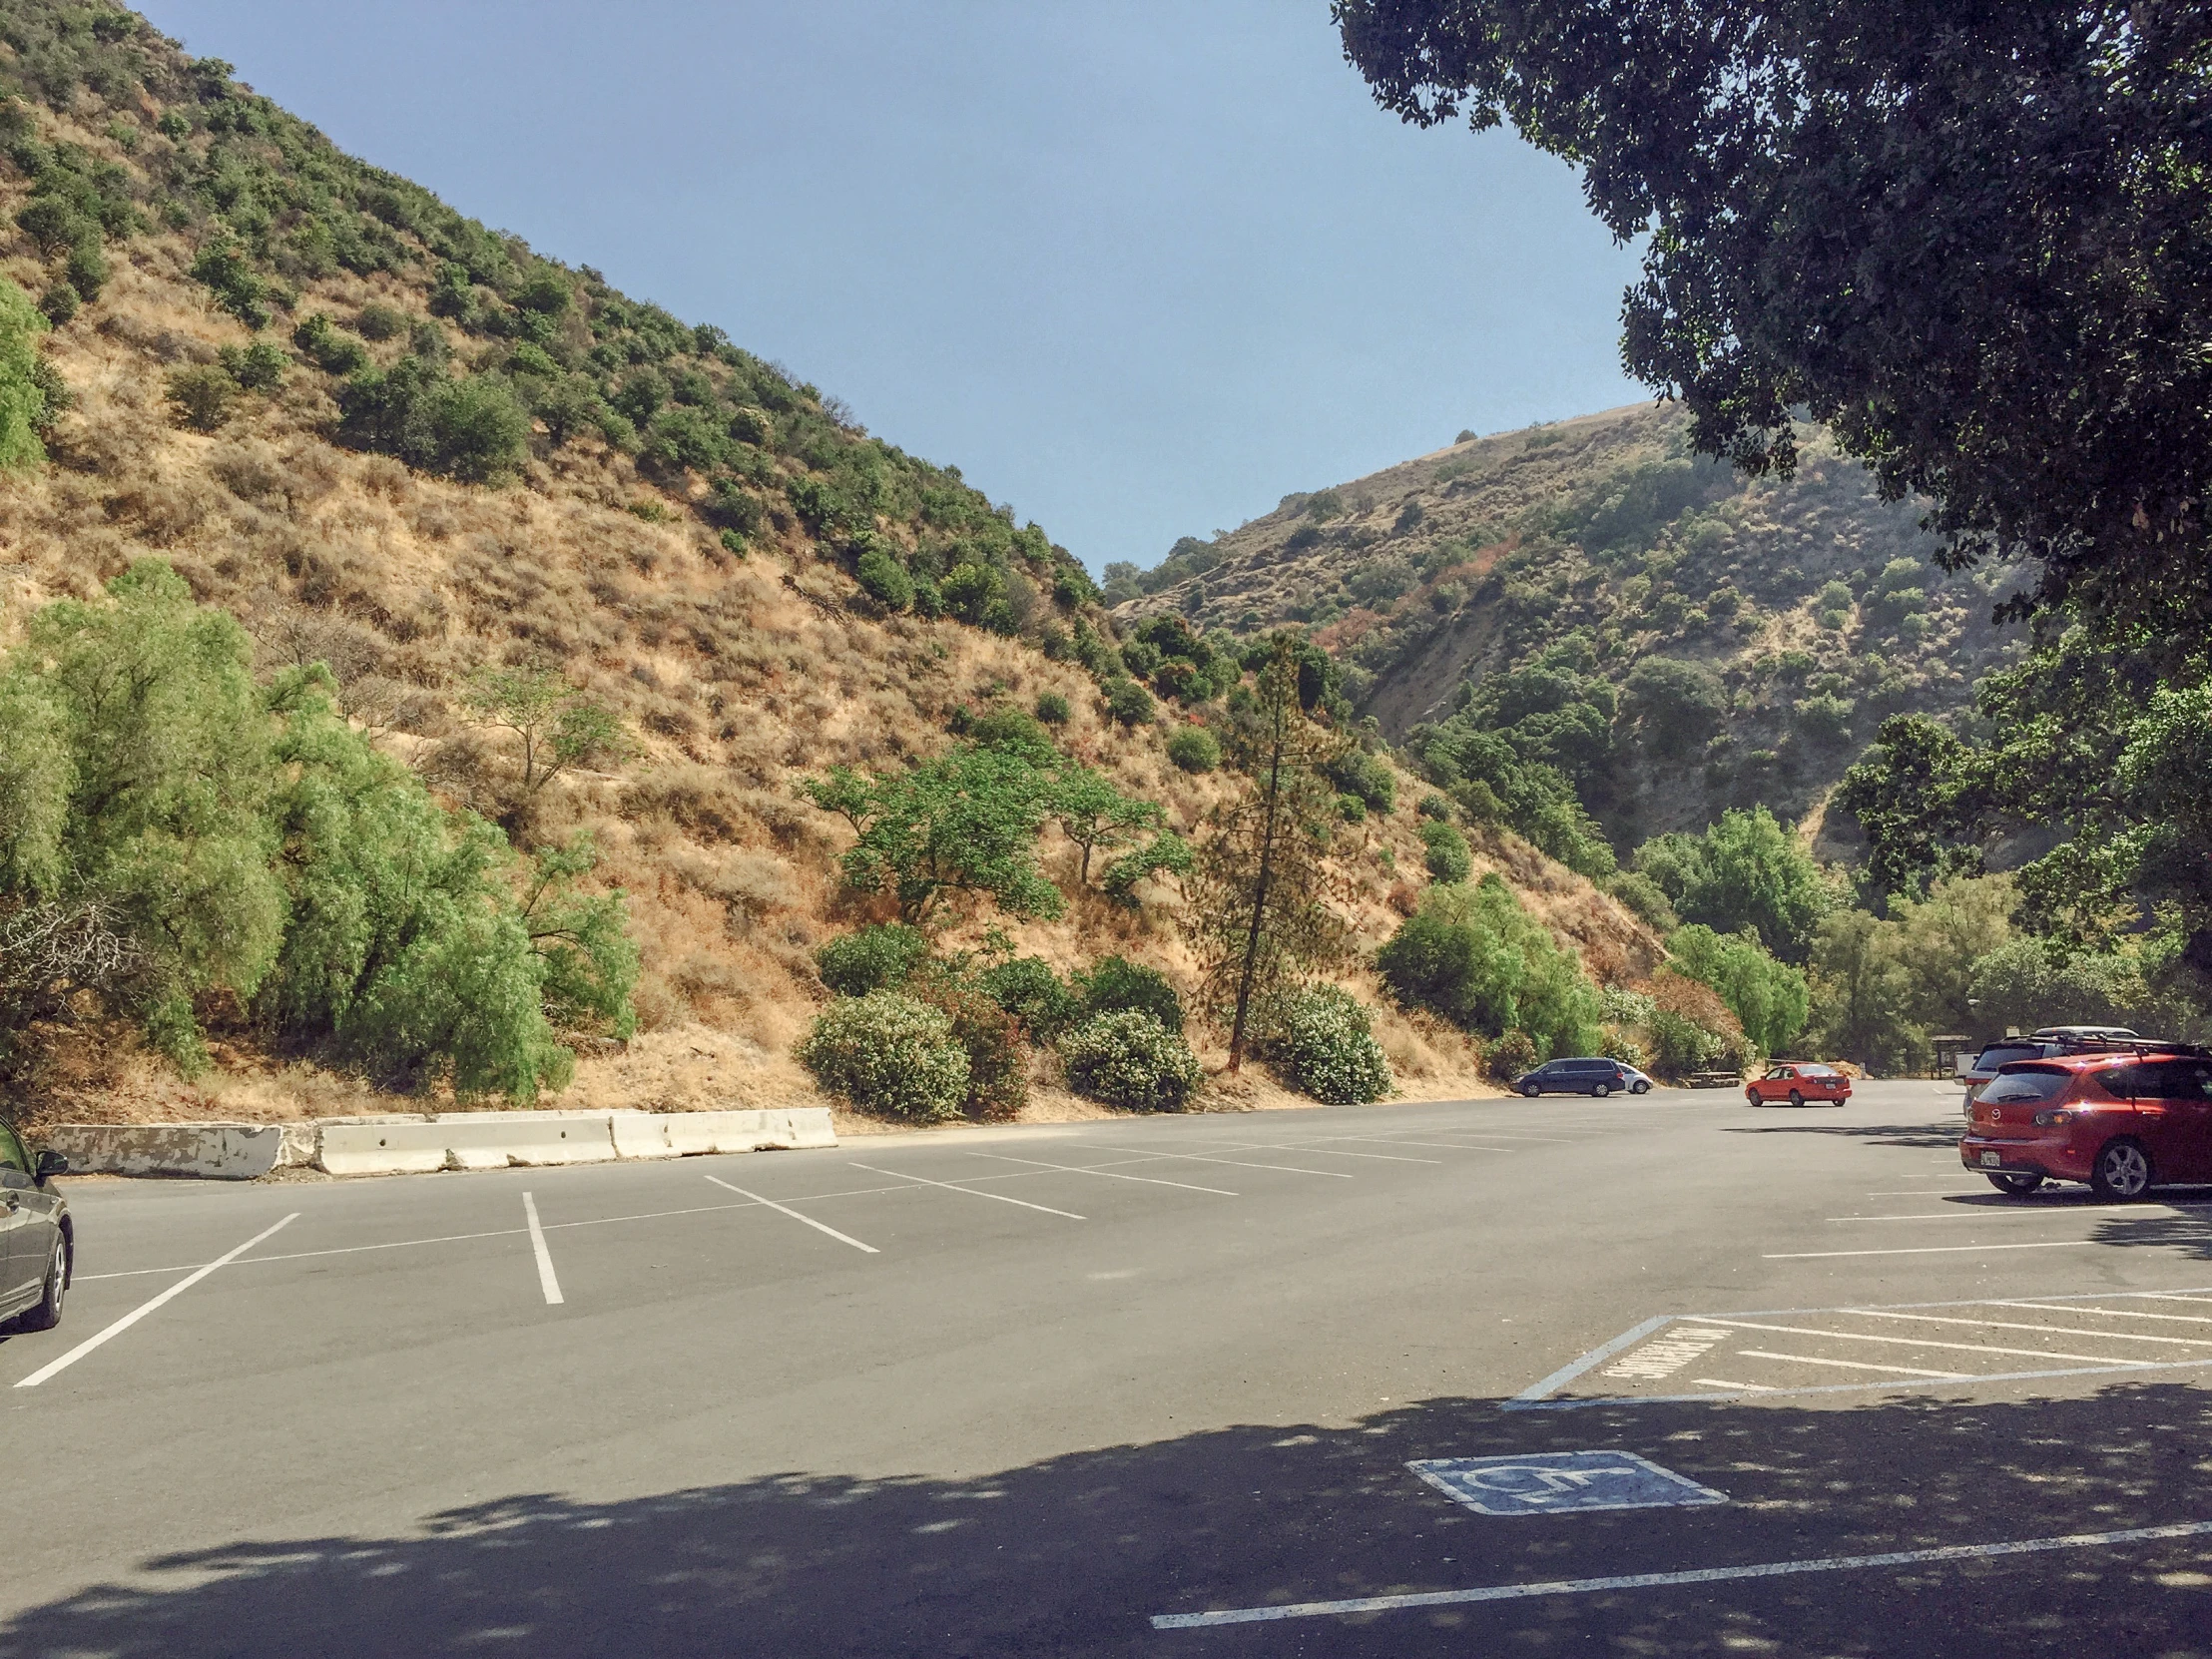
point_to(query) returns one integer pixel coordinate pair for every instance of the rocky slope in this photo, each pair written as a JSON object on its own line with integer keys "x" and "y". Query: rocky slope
{"x": 1572, "y": 553}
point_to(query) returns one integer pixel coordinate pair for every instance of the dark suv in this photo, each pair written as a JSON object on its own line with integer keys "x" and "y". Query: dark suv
{"x": 1583, "y": 1076}
{"x": 36, "y": 1237}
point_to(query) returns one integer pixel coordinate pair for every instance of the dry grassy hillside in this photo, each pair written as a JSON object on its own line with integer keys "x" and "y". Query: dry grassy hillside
{"x": 1591, "y": 545}
{"x": 735, "y": 671}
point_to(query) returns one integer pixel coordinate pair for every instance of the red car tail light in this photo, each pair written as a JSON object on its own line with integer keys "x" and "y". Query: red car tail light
{"x": 2044, "y": 1120}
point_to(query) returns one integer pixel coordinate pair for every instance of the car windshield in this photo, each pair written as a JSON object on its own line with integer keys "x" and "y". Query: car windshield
{"x": 1818, "y": 1072}
{"x": 1998, "y": 1054}
{"x": 2024, "y": 1083}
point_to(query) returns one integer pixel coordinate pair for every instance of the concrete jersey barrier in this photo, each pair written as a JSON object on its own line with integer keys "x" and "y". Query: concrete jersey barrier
{"x": 208, "y": 1151}
{"x": 688, "y": 1134}
{"x": 406, "y": 1143}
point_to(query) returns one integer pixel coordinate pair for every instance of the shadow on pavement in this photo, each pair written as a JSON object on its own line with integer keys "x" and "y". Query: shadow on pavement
{"x": 2192, "y": 1233}
{"x": 1882, "y": 1134}
{"x": 1069, "y": 1555}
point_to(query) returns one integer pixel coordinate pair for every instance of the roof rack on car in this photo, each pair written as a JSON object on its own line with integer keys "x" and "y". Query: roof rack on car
{"x": 2130, "y": 1045}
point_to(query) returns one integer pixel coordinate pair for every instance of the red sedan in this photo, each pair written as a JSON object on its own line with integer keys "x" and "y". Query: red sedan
{"x": 1799, "y": 1083}
{"x": 2124, "y": 1123}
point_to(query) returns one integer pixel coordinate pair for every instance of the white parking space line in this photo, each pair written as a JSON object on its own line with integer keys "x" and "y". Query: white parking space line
{"x": 1860, "y": 1365}
{"x": 1237, "y": 1163}
{"x": 1740, "y": 1388}
{"x": 1926, "y": 1250}
{"x": 1923, "y": 1192}
{"x": 1329, "y": 1152}
{"x": 2114, "y": 1313}
{"x": 143, "y": 1308}
{"x": 1109, "y": 1174}
{"x": 2044, "y": 1330}
{"x": 546, "y": 1282}
{"x": 2171, "y": 1296}
{"x": 950, "y": 1187}
{"x": 1441, "y": 1146}
{"x": 1925, "y": 1341}
{"x": 794, "y": 1215}
{"x": 1662, "y": 1581}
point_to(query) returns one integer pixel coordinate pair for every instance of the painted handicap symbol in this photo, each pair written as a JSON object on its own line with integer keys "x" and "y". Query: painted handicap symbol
{"x": 1532, "y": 1483}
{"x": 1561, "y": 1483}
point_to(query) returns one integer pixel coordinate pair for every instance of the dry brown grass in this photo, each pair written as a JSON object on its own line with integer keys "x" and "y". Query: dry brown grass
{"x": 736, "y": 676}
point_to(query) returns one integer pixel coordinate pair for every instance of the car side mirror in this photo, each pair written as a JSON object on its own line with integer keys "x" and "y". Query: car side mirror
{"x": 50, "y": 1163}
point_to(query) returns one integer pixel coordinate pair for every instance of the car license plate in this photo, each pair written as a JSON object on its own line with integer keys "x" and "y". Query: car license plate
{"x": 1991, "y": 1160}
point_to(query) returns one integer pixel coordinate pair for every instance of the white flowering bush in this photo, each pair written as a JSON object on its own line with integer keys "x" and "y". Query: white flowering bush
{"x": 1320, "y": 1041}
{"x": 1128, "y": 1058}
{"x": 888, "y": 1053}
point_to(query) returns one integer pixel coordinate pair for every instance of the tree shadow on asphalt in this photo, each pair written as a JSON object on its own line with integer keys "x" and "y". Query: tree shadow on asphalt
{"x": 1069, "y": 1555}
{"x": 1882, "y": 1134}
{"x": 2190, "y": 1233}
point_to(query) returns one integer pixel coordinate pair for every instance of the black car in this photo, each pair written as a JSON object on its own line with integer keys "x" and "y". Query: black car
{"x": 1583, "y": 1076}
{"x": 37, "y": 1243}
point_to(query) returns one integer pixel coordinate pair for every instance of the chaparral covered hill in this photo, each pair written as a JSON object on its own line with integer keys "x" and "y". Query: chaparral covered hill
{"x": 1672, "y": 637}
{"x": 391, "y": 441}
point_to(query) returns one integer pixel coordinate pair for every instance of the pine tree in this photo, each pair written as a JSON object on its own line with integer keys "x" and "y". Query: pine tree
{"x": 1260, "y": 912}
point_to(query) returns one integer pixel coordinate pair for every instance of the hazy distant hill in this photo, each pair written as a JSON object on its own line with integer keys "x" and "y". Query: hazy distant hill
{"x": 1514, "y": 582}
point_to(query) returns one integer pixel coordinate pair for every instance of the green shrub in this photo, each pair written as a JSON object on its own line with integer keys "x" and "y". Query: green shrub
{"x": 990, "y": 1037}
{"x": 1825, "y": 719}
{"x": 682, "y": 437}
{"x": 86, "y": 270}
{"x": 257, "y": 367}
{"x": 1052, "y": 709}
{"x": 1618, "y": 1045}
{"x": 1321, "y": 1041}
{"x": 877, "y": 959}
{"x": 327, "y": 348}
{"x": 1352, "y": 809}
{"x": 378, "y": 322}
{"x": 1112, "y": 984}
{"x": 225, "y": 267}
{"x": 1448, "y": 857}
{"x": 469, "y": 430}
{"x": 1434, "y": 806}
{"x": 1027, "y": 988}
{"x": 1359, "y": 774}
{"x": 59, "y": 302}
{"x": 889, "y": 1054}
{"x": 243, "y": 840}
{"x": 1167, "y": 853}
{"x": 28, "y": 404}
{"x": 1194, "y": 748}
{"x": 202, "y": 395}
{"x": 1680, "y": 1046}
{"x": 1769, "y": 998}
{"x": 1130, "y": 703}
{"x": 1128, "y": 1059}
{"x": 884, "y": 579}
{"x": 1645, "y": 899}
{"x": 1510, "y": 1056}
{"x": 1473, "y": 955}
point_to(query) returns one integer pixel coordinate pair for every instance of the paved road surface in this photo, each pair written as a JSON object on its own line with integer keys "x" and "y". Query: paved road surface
{"x": 1029, "y": 1392}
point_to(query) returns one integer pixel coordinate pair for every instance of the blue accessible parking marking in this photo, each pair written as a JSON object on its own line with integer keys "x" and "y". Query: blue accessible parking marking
{"x": 1560, "y": 1483}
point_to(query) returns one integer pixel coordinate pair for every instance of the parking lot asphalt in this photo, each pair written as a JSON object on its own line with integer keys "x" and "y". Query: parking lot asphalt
{"x": 1143, "y": 1386}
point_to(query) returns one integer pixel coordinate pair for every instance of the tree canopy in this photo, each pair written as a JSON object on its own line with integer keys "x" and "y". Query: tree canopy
{"x": 1971, "y": 238}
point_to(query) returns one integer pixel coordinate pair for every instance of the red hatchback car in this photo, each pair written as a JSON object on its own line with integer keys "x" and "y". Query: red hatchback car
{"x": 1799, "y": 1083}
{"x": 2124, "y": 1123}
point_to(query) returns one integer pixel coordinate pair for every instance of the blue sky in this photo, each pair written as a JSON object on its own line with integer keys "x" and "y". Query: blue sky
{"x": 1138, "y": 269}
